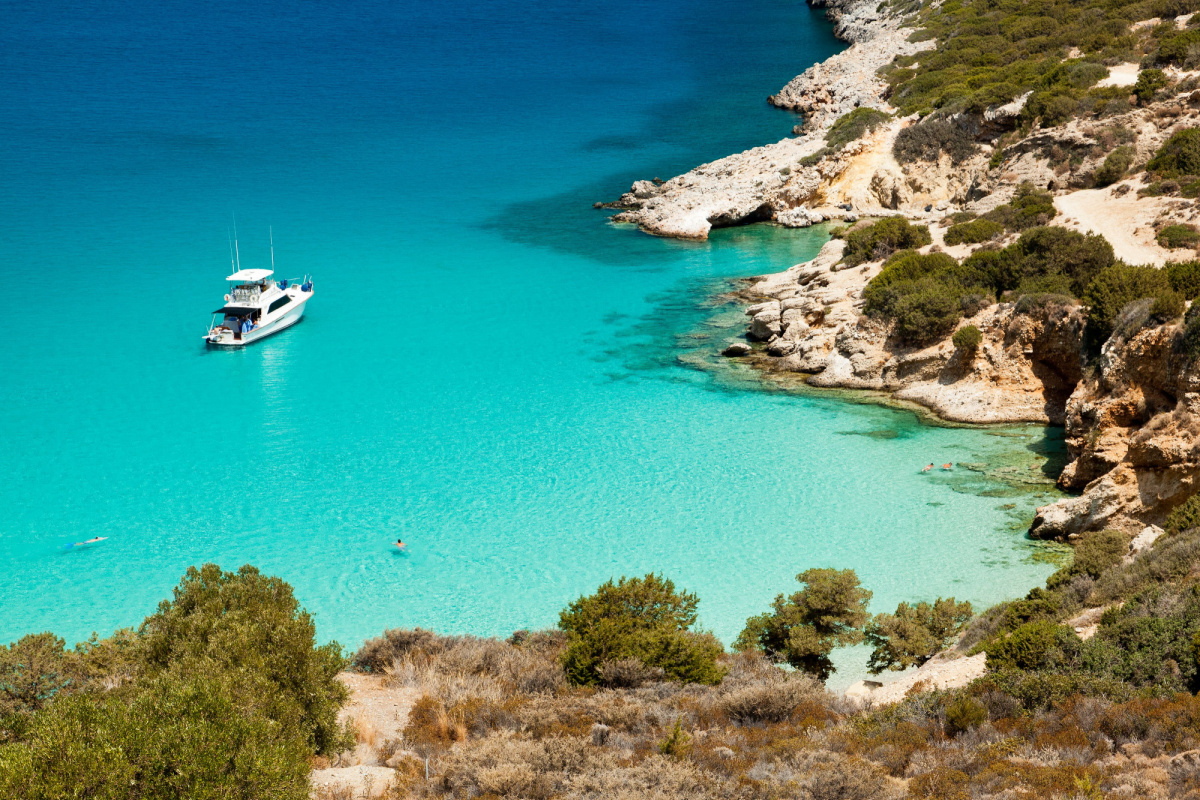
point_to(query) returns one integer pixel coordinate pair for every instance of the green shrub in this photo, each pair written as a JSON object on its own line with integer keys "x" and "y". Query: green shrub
{"x": 1039, "y": 604}
{"x": 963, "y": 714}
{"x": 1185, "y": 517}
{"x": 33, "y": 670}
{"x": 638, "y": 618}
{"x": 1147, "y": 642}
{"x": 853, "y": 126}
{"x": 1115, "y": 165}
{"x": 900, "y": 272}
{"x": 1168, "y": 305}
{"x": 1041, "y": 644}
{"x": 1174, "y": 237}
{"x": 1029, "y": 208}
{"x": 1149, "y": 81}
{"x": 882, "y": 238}
{"x": 803, "y": 628}
{"x": 927, "y": 140}
{"x": 928, "y": 311}
{"x": 1040, "y": 690}
{"x": 1094, "y": 554}
{"x": 1179, "y": 155}
{"x": 250, "y": 628}
{"x": 1114, "y": 288}
{"x": 914, "y": 634}
{"x": 1177, "y": 49}
{"x": 974, "y": 232}
{"x": 174, "y": 739}
{"x": 1190, "y": 338}
{"x": 1058, "y": 251}
{"x": 1052, "y": 108}
{"x": 1184, "y": 277}
{"x": 968, "y": 338}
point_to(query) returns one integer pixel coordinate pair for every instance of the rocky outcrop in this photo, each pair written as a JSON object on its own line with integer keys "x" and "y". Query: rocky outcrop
{"x": 780, "y": 182}
{"x": 1133, "y": 431}
{"x": 1024, "y": 371}
{"x": 848, "y": 80}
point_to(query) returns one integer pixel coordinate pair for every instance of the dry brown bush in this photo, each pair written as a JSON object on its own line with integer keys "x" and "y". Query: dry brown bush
{"x": 775, "y": 700}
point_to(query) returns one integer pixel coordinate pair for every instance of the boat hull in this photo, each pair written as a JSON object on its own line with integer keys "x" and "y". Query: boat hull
{"x": 285, "y": 320}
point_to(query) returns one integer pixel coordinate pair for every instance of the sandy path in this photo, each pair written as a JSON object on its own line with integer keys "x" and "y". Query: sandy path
{"x": 380, "y": 713}
{"x": 1121, "y": 75}
{"x": 1127, "y": 222}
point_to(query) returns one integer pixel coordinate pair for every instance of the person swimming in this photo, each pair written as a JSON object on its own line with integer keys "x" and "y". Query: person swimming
{"x": 400, "y": 543}
{"x": 949, "y": 465}
{"x": 926, "y": 469}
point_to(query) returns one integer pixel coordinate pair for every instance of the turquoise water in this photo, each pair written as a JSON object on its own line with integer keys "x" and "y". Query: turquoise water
{"x": 488, "y": 369}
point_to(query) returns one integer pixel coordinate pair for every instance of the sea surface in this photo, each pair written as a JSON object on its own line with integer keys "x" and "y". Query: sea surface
{"x": 522, "y": 391}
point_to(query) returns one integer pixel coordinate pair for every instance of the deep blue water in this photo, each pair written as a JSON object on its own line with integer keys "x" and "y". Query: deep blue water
{"x": 488, "y": 368}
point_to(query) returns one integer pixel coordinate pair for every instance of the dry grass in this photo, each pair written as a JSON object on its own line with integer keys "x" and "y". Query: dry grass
{"x": 494, "y": 722}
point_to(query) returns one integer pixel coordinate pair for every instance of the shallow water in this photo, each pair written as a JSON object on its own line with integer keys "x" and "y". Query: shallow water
{"x": 488, "y": 369}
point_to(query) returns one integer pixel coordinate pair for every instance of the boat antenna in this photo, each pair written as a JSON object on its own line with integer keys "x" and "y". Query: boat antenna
{"x": 235, "y": 244}
{"x": 271, "y": 233}
{"x": 230, "y": 239}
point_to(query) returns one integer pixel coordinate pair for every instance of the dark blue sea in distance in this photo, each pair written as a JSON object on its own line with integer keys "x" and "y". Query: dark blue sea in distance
{"x": 488, "y": 368}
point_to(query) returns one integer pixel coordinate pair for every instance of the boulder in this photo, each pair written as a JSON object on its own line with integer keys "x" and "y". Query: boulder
{"x": 764, "y": 326}
{"x": 736, "y": 350}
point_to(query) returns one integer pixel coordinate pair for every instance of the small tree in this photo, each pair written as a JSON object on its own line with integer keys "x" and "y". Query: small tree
{"x": 803, "y": 629}
{"x": 250, "y": 627}
{"x": 967, "y": 338}
{"x": 638, "y": 618}
{"x": 915, "y": 633}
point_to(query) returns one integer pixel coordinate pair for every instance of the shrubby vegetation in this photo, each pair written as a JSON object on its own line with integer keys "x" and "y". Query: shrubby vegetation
{"x": 915, "y": 633}
{"x": 973, "y": 232}
{"x": 1029, "y": 208}
{"x": 880, "y": 239}
{"x": 802, "y": 629}
{"x": 1057, "y": 716}
{"x": 967, "y": 338}
{"x": 929, "y": 139}
{"x": 853, "y": 126}
{"x": 1115, "y": 165}
{"x": 926, "y": 295}
{"x": 1118, "y": 285}
{"x": 222, "y": 692}
{"x": 637, "y": 619}
{"x": 846, "y": 129}
{"x": 988, "y": 54}
{"x": 1174, "y": 237}
{"x": 1178, "y": 156}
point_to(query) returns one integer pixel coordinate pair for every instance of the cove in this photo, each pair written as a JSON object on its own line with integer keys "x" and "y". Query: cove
{"x": 488, "y": 369}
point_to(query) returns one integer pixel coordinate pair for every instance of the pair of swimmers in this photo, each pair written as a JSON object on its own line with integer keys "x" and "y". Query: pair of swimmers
{"x": 948, "y": 465}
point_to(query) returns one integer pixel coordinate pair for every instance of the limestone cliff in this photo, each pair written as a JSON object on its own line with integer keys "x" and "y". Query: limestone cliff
{"x": 1024, "y": 371}
{"x": 1133, "y": 429}
{"x": 782, "y": 182}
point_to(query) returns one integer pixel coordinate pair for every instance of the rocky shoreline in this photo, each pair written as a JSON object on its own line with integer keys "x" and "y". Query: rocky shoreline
{"x": 1128, "y": 419}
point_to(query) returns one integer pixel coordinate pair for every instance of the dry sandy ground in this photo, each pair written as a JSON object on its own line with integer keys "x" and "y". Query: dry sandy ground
{"x": 938, "y": 673}
{"x": 1126, "y": 221}
{"x": 379, "y": 713}
{"x": 1121, "y": 75}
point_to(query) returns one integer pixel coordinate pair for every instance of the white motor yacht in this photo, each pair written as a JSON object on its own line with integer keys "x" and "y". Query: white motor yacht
{"x": 256, "y": 307}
